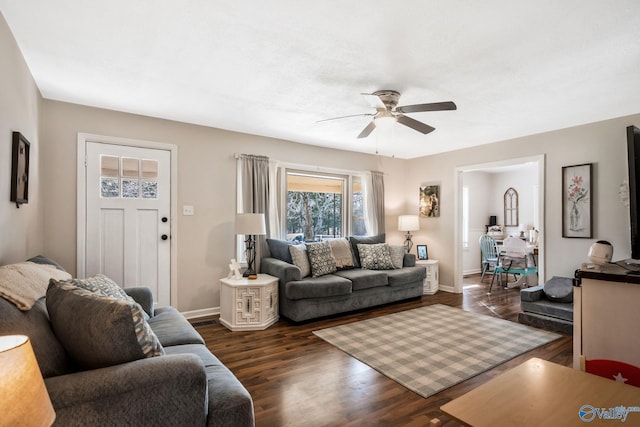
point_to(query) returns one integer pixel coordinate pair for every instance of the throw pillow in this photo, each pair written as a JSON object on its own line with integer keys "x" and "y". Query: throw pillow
{"x": 321, "y": 259}
{"x": 397, "y": 255}
{"x": 341, "y": 250}
{"x": 559, "y": 289}
{"x": 375, "y": 256}
{"x": 279, "y": 249}
{"x": 104, "y": 286}
{"x": 300, "y": 259}
{"x": 355, "y": 240}
{"x": 96, "y": 330}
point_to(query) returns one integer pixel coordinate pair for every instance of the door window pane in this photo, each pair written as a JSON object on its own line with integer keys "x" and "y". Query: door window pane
{"x": 109, "y": 166}
{"x": 149, "y": 190}
{"x": 149, "y": 168}
{"x": 109, "y": 187}
{"x": 130, "y": 188}
{"x": 130, "y": 167}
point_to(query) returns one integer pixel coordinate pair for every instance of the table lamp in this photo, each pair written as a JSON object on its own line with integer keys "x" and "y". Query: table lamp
{"x": 250, "y": 224}
{"x": 408, "y": 223}
{"x": 23, "y": 396}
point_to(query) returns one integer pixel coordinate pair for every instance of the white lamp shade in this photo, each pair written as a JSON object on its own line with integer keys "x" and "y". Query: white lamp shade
{"x": 250, "y": 224}
{"x": 408, "y": 223}
{"x": 23, "y": 396}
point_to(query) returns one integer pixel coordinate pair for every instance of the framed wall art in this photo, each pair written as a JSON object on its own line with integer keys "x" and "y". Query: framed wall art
{"x": 20, "y": 169}
{"x": 429, "y": 204}
{"x": 577, "y": 199}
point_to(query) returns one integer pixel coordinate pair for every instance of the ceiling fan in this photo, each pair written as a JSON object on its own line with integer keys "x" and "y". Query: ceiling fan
{"x": 387, "y": 112}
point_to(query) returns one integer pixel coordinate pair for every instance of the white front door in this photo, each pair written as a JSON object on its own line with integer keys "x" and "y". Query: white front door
{"x": 128, "y": 224}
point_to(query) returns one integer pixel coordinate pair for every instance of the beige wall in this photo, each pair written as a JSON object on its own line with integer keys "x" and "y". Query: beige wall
{"x": 602, "y": 143}
{"x": 20, "y": 229}
{"x": 206, "y": 180}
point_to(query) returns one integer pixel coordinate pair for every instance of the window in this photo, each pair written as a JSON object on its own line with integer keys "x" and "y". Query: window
{"x": 321, "y": 205}
{"x": 128, "y": 178}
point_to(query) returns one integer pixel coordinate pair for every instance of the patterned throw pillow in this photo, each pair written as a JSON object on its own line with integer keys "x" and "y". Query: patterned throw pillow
{"x": 102, "y": 285}
{"x": 375, "y": 256}
{"x": 300, "y": 259}
{"x": 397, "y": 255}
{"x": 341, "y": 250}
{"x": 96, "y": 330}
{"x": 321, "y": 259}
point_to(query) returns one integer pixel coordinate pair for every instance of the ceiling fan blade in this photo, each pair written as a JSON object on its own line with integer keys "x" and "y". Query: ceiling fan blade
{"x": 434, "y": 106}
{"x": 374, "y": 101}
{"x": 366, "y": 131}
{"x": 346, "y": 117}
{"x": 414, "y": 124}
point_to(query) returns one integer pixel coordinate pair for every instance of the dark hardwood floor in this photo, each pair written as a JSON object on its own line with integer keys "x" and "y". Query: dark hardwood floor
{"x": 297, "y": 379}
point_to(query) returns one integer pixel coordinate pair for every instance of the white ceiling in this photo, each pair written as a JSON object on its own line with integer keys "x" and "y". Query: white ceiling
{"x": 274, "y": 68}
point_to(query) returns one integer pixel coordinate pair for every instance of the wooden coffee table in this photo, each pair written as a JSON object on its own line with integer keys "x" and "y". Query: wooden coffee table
{"x": 541, "y": 393}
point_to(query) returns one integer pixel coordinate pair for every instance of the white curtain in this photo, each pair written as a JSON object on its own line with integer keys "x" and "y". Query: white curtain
{"x": 374, "y": 202}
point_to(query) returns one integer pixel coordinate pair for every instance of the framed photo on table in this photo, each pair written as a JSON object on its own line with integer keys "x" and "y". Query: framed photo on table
{"x": 576, "y": 201}
{"x": 422, "y": 252}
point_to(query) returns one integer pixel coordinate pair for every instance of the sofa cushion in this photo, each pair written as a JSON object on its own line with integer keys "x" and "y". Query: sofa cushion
{"x": 279, "y": 249}
{"x": 549, "y": 308}
{"x": 363, "y": 279}
{"x": 34, "y": 323}
{"x": 321, "y": 259}
{"x": 406, "y": 275}
{"x": 172, "y": 328}
{"x": 367, "y": 240}
{"x": 96, "y": 330}
{"x": 318, "y": 287}
{"x": 375, "y": 257}
{"x": 300, "y": 259}
{"x": 397, "y": 253}
{"x": 559, "y": 289}
{"x": 341, "y": 250}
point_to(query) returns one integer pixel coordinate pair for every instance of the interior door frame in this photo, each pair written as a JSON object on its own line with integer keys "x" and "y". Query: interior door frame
{"x": 458, "y": 267}
{"x": 83, "y": 139}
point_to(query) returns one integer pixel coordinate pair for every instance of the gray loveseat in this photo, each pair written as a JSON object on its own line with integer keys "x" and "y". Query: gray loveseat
{"x": 349, "y": 289}
{"x": 187, "y": 386}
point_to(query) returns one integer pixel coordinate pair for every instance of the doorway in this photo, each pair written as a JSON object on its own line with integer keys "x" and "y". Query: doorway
{"x": 125, "y": 213}
{"x": 466, "y": 235}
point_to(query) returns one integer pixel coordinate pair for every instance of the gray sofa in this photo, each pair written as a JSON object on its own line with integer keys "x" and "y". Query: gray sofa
{"x": 345, "y": 290}
{"x": 187, "y": 386}
{"x": 549, "y": 306}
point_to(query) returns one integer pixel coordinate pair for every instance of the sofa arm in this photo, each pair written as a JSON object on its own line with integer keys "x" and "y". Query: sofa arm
{"x": 143, "y": 296}
{"x": 409, "y": 260}
{"x": 282, "y": 270}
{"x": 160, "y": 391}
{"x": 534, "y": 293}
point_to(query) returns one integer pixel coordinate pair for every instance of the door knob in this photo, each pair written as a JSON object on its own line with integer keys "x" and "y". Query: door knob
{"x": 164, "y": 219}
{"x": 164, "y": 237}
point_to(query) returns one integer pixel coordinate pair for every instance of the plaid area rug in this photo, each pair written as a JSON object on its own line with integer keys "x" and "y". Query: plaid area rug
{"x": 429, "y": 349}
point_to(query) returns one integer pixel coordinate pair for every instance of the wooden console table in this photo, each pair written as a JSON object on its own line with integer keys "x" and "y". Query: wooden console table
{"x": 541, "y": 393}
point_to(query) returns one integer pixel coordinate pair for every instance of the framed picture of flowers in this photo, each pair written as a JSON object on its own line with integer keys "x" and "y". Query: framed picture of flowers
{"x": 577, "y": 201}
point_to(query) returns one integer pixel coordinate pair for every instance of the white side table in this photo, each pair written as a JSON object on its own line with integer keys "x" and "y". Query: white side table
{"x": 431, "y": 283}
{"x": 249, "y": 305}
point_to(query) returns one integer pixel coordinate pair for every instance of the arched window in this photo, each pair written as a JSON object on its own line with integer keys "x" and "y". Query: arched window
{"x": 511, "y": 208}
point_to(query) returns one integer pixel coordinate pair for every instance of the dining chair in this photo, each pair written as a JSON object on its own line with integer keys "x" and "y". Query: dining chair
{"x": 512, "y": 259}
{"x": 489, "y": 250}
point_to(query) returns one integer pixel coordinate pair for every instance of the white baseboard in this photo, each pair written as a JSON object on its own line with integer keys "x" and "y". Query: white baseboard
{"x": 194, "y": 314}
{"x": 472, "y": 271}
{"x": 446, "y": 288}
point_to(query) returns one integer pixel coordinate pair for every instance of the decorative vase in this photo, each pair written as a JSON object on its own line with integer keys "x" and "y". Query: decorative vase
{"x": 574, "y": 217}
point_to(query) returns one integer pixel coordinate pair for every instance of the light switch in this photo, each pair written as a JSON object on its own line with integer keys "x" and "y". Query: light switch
{"x": 187, "y": 210}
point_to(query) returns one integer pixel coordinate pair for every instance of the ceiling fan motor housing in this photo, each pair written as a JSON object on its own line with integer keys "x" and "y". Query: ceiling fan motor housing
{"x": 389, "y": 98}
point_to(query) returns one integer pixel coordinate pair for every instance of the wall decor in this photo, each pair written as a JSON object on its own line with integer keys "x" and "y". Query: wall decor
{"x": 20, "y": 169}
{"x": 577, "y": 201}
{"x": 422, "y": 252}
{"x": 429, "y": 204}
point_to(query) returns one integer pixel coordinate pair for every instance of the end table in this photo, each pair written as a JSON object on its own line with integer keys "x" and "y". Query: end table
{"x": 431, "y": 282}
{"x": 249, "y": 305}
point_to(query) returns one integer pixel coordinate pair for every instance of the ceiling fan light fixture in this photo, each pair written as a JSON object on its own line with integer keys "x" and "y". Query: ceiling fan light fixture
{"x": 385, "y": 123}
